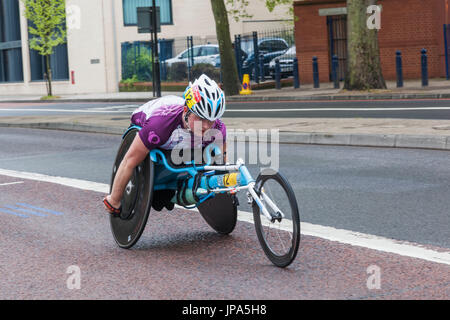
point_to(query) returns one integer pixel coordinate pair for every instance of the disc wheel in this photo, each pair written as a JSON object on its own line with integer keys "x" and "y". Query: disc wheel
{"x": 136, "y": 199}
{"x": 220, "y": 212}
{"x": 280, "y": 237}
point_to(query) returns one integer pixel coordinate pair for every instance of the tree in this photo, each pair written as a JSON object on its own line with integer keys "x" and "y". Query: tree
{"x": 48, "y": 29}
{"x": 230, "y": 77}
{"x": 228, "y": 67}
{"x": 363, "y": 64}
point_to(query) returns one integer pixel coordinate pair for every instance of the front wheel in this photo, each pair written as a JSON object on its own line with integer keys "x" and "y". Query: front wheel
{"x": 279, "y": 238}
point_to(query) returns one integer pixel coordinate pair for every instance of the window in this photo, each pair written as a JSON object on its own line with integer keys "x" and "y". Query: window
{"x": 130, "y": 10}
{"x": 11, "y": 69}
{"x": 195, "y": 50}
{"x": 280, "y": 45}
{"x": 209, "y": 51}
{"x": 273, "y": 45}
{"x": 59, "y": 63}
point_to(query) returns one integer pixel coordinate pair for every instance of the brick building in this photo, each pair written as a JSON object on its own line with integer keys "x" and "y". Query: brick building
{"x": 406, "y": 25}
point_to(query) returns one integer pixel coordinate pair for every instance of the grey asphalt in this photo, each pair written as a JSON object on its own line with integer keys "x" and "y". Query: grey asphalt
{"x": 395, "y": 193}
{"x": 72, "y": 255}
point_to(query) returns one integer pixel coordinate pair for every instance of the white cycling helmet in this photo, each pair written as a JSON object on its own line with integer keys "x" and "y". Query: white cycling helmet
{"x": 205, "y": 99}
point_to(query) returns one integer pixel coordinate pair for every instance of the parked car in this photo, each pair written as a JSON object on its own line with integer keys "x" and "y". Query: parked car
{"x": 269, "y": 48}
{"x": 217, "y": 59}
{"x": 286, "y": 63}
{"x": 206, "y": 53}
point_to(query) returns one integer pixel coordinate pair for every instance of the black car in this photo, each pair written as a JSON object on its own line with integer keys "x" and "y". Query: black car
{"x": 270, "y": 48}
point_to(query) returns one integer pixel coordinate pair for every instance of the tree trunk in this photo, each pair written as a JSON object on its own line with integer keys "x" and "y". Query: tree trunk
{"x": 364, "y": 67}
{"x": 228, "y": 66}
{"x": 49, "y": 76}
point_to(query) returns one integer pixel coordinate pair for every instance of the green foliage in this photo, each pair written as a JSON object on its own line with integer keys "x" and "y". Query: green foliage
{"x": 48, "y": 24}
{"x": 130, "y": 81}
{"x": 141, "y": 67}
{"x": 206, "y": 68}
{"x": 271, "y": 4}
{"x": 237, "y": 9}
{"x": 50, "y": 97}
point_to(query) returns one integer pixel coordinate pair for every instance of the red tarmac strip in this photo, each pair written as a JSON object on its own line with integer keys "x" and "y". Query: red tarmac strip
{"x": 180, "y": 257}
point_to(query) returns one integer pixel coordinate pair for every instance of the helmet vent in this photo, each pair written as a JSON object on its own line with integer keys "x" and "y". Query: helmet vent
{"x": 217, "y": 111}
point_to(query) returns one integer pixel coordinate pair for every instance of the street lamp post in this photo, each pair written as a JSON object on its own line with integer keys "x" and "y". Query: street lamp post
{"x": 156, "y": 73}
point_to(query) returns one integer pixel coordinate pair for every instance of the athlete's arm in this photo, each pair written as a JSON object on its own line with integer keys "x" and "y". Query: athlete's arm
{"x": 134, "y": 156}
{"x": 224, "y": 152}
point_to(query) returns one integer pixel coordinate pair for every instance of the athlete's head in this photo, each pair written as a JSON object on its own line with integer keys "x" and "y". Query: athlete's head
{"x": 205, "y": 99}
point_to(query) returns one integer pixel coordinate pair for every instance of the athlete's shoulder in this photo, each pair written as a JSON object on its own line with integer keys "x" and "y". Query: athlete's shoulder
{"x": 171, "y": 100}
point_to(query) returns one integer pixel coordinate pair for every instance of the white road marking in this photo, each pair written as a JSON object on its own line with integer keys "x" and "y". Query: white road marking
{"x": 337, "y": 109}
{"x": 69, "y": 182}
{"x": 369, "y": 241}
{"x": 10, "y": 183}
{"x": 67, "y": 110}
{"x": 127, "y": 108}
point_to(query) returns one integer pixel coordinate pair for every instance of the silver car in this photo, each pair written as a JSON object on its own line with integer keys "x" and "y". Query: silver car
{"x": 206, "y": 53}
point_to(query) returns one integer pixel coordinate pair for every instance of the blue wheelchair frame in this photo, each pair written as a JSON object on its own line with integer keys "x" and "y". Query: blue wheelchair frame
{"x": 167, "y": 177}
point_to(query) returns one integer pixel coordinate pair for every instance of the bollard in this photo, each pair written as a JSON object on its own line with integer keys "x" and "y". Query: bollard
{"x": 277, "y": 74}
{"x": 316, "y": 72}
{"x": 399, "y": 67}
{"x": 424, "y": 59}
{"x": 261, "y": 68}
{"x": 295, "y": 71}
{"x": 334, "y": 71}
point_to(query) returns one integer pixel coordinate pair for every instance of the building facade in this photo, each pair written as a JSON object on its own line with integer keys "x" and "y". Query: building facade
{"x": 90, "y": 61}
{"x": 406, "y": 25}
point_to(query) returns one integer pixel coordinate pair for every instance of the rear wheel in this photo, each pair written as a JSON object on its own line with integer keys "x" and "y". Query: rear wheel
{"x": 136, "y": 200}
{"x": 279, "y": 238}
{"x": 220, "y": 212}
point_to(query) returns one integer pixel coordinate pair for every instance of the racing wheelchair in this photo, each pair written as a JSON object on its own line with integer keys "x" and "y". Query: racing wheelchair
{"x": 158, "y": 183}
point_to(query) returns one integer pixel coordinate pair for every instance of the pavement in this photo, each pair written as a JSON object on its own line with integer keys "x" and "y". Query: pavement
{"x": 412, "y": 89}
{"x": 386, "y": 132}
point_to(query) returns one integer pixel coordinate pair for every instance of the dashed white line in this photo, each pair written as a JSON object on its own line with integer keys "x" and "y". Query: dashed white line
{"x": 369, "y": 241}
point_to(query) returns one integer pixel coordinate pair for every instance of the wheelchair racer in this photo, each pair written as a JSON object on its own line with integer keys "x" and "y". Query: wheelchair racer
{"x": 199, "y": 110}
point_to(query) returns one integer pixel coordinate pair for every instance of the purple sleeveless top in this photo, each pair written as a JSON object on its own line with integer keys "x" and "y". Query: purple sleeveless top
{"x": 162, "y": 126}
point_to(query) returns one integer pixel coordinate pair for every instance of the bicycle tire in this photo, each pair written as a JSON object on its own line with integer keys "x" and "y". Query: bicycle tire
{"x": 287, "y": 258}
{"x": 137, "y": 198}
